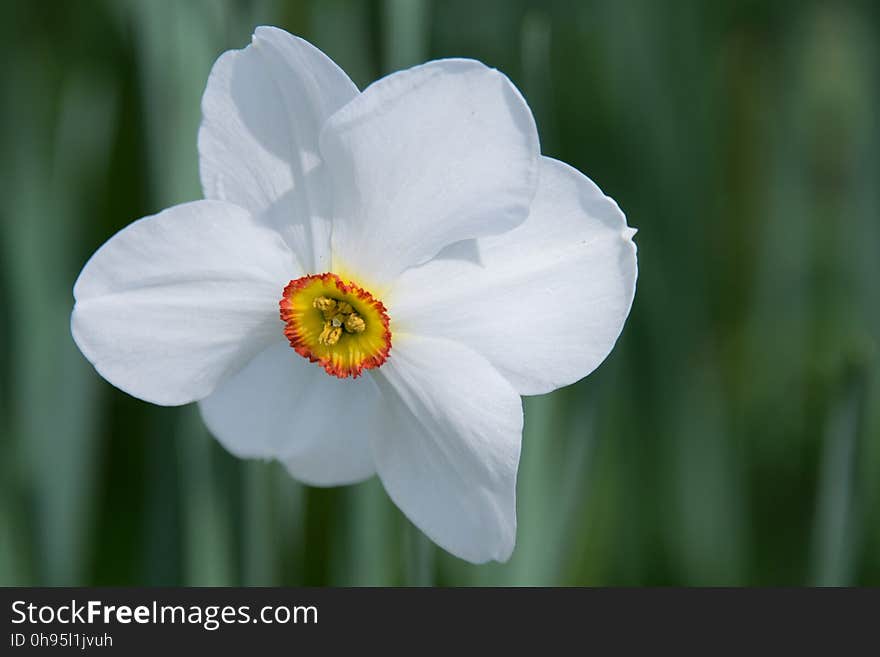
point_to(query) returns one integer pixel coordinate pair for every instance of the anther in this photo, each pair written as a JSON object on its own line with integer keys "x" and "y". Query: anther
{"x": 354, "y": 324}
{"x": 330, "y": 335}
{"x": 326, "y": 305}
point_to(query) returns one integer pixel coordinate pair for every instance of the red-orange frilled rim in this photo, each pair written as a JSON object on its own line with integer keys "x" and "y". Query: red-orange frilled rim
{"x": 335, "y": 323}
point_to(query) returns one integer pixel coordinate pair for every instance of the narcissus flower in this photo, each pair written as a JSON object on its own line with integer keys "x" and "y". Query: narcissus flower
{"x": 372, "y": 282}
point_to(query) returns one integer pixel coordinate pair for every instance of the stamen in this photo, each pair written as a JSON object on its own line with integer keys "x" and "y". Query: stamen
{"x": 326, "y": 306}
{"x": 330, "y": 335}
{"x": 355, "y": 324}
{"x": 337, "y": 314}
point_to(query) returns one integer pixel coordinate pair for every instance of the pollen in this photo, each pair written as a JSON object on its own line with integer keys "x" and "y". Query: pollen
{"x": 336, "y": 324}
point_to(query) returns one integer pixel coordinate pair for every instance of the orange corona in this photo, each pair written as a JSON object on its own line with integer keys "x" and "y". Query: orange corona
{"x": 337, "y": 324}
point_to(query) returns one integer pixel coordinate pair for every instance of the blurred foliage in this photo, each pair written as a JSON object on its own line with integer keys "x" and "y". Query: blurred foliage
{"x": 732, "y": 436}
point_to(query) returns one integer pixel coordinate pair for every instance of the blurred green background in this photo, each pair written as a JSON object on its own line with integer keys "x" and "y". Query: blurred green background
{"x": 731, "y": 437}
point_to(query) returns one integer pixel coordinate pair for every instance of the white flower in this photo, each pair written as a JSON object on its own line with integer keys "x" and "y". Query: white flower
{"x": 414, "y": 235}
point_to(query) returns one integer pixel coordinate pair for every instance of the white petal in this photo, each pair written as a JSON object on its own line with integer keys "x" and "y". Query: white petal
{"x": 423, "y": 158}
{"x": 450, "y": 455}
{"x": 283, "y": 407}
{"x": 263, "y": 109}
{"x": 174, "y": 302}
{"x": 544, "y": 302}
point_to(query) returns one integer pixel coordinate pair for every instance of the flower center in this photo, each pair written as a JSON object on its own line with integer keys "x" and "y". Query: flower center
{"x": 338, "y": 325}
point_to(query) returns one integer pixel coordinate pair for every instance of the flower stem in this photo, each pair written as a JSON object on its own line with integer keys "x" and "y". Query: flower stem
{"x": 419, "y": 564}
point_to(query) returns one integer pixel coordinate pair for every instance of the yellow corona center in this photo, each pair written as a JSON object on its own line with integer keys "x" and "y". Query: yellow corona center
{"x": 338, "y": 325}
